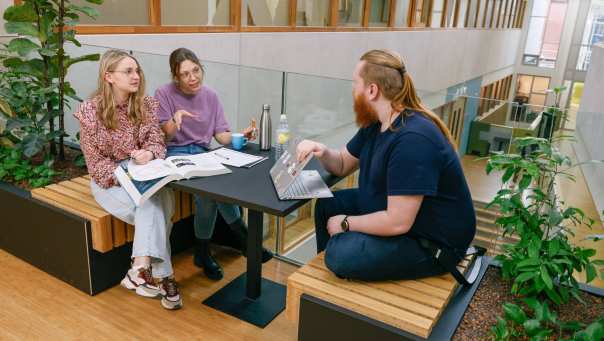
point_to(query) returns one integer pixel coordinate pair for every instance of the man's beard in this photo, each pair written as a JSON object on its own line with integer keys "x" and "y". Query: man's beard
{"x": 365, "y": 114}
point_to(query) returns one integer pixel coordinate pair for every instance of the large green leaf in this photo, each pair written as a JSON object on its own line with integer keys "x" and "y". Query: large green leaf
{"x": 87, "y": 57}
{"x": 22, "y": 46}
{"x": 590, "y": 272}
{"x": 21, "y": 13}
{"x": 88, "y": 11}
{"x": 514, "y": 313}
{"x": 546, "y": 277}
{"x": 96, "y": 2}
{"x": 532, "y": 326}
{"x": 32, "y": 144}
{"x": 23, "y": 28}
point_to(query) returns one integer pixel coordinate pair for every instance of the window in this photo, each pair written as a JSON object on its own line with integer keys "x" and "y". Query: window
{"x": 350, "y": 12}
{"x": 114, "y": 12}
{"x": 593, "y": 33}
{"x": 379, "y": 14}
{"x": 195, "y": 12}
{"x": 420, "y": 13}
{"x": 545, "y": 29}
{"x": 265, "y": 12}
{"x": 401, "y": 13}
{"x": 312, "y": 13}
{"x": 438, "y": 7}
{"x": 494, "y": 94}
{"x": 532, "y": 90}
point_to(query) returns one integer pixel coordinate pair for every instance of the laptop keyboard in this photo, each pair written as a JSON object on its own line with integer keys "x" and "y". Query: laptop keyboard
{"x": 297, "y": 189}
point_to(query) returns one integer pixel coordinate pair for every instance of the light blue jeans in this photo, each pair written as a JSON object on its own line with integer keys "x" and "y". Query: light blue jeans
{"x": 206, "y": 208}
{"x": 152, "y": 223}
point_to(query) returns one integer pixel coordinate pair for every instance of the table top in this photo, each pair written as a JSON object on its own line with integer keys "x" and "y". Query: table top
{"x": 250, "y": 187}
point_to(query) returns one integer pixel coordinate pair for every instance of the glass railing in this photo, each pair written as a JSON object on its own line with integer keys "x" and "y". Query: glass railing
{"x": 321, "y": 108}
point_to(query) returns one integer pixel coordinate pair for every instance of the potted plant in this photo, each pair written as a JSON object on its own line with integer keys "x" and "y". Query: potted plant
{"x": 33, "y": 90}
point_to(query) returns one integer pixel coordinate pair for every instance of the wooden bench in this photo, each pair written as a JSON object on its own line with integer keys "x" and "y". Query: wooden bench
{"x": 108, "y": 232}
{"x": 413, "y": 306}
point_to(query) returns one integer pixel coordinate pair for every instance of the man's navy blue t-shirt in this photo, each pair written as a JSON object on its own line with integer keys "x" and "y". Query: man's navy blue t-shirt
{"x": 415, "y": 158}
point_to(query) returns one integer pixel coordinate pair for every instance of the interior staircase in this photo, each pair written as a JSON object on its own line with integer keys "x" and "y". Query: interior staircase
{"x": 488, "y": 234}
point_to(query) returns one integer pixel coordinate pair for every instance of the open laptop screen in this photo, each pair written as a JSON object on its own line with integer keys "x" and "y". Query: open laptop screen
{"x": 287, "y": 168}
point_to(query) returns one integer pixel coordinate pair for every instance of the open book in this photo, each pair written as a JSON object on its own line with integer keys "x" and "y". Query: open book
{"x": 142, "y": 181}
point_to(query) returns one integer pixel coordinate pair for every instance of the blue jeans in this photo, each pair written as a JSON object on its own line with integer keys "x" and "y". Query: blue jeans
{"x": 205, "y": 208}
{"x": 367, "y": 257}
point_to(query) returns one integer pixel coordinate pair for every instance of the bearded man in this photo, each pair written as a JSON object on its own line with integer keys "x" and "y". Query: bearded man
{"x": 412, "y": 189}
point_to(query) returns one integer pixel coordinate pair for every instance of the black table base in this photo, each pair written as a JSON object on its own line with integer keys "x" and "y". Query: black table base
{"x": 232, "y": 300}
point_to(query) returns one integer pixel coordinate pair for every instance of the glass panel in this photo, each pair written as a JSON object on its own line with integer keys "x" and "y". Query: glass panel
{"x": 195, "y": 12}
{"x": 380, "y": 12}
{"x": 437, "y": 13}
{"x": 540, "y": 8}
{"x": 401, "y": 13}
{"x": 350, "y": 12}
{"x": 114, "y": 12}
{"x": 461, "y": 16}
{"x": 481, "y": 13}
{"x": 312, "y": 13}
{"x": 584, "y": 58}
{"x": 524, "y": 85}
{"x": 265, "y": 12}
{"x": 472, "y": 13}
{"x": 540, "y": 84}
{"x": 535, "y": 36}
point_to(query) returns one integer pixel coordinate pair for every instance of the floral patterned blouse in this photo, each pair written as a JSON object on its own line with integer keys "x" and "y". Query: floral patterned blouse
{"x": 104, "y": 148}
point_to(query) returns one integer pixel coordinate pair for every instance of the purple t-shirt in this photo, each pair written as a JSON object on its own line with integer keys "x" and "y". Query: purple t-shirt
{"x": 209, "y": 116}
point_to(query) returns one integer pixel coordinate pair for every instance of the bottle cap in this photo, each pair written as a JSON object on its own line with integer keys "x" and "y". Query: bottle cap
{"x": 283, "y": 117}
{"x": 266, "y": 107}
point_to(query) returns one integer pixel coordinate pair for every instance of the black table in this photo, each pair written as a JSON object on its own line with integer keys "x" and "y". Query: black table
{"x": 251, "y": 188}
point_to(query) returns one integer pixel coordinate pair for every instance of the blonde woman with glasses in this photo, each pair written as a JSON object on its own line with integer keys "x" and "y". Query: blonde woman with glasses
{"x": 117, "y": 124}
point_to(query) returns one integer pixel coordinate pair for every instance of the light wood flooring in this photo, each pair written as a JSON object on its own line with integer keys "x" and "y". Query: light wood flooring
{"x": 38, "y": 306}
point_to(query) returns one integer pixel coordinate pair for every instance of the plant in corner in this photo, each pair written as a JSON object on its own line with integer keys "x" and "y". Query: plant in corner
{"x": 33, "y": 89}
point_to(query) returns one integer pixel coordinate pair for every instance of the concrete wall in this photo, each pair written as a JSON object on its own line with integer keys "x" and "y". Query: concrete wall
{"x": 3, "y": 6}
{"x": 590, "y": 124}
{"x": 436, "y": 59}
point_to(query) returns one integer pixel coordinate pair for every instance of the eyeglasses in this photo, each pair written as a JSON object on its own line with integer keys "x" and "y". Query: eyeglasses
{"x": 197, "y": 71}
{"x": 129, "y": 72}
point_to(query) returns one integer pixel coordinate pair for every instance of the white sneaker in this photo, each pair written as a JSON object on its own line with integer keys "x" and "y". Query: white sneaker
{"x": 170, "y": 295}
{"x": 141, "y": 281}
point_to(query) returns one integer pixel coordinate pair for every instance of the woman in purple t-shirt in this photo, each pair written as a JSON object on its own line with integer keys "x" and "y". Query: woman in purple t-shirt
{"x": 191, "y": 115}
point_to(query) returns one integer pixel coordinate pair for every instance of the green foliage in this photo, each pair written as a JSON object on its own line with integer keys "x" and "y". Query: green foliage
{"x": 14, "y": 167}
{"x": 33, "y": 86}
{"x": 539, "y": 323}
{"x": 543, "y": 261}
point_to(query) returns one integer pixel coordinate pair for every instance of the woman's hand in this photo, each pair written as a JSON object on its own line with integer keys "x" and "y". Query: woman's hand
{"x": 307, "y": 146}
{"x": 249, "y": 133}
{"x": 334, "y": 224}
{"x": 178, "y": 116}
{"x": 141, "y": 156}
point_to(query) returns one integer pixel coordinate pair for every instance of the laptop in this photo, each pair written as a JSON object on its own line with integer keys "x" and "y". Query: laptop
{"x": 293, "y": 182}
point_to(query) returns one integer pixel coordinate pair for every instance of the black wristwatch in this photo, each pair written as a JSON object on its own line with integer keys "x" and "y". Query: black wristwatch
{"x": 345, "y": 225}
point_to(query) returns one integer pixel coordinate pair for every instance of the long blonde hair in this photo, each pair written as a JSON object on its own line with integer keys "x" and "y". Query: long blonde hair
{"x": 106, "y": 101}
{"x": 385, "y": 68}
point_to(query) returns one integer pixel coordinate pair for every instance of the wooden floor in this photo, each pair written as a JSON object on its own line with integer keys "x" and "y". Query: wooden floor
{"x": 38, "y": 306}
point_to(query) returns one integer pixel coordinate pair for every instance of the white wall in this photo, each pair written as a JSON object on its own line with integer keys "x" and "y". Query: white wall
{"x": 4, "y": 4}
{"x": 435, "y": 59}
{"x": 590, "y": 125}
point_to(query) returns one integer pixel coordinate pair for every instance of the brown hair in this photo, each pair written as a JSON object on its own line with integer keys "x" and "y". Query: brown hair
{"x": 385, "y": 68}
{"x": 180, "y": 55}
{"x": 106, "y": 103}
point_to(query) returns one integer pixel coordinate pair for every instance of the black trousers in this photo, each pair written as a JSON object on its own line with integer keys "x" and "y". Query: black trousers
{"x": 362, "y": 256}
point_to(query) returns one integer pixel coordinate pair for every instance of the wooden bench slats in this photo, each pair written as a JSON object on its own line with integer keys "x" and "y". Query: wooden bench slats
{"x": 119, "y": 232}
{"x": 375, "y": 293}
{"x": 421, "y": 287}
{"x": 411, "y": 305}
{"x": 364, "y": 305}
{"x": 86, "y": 199}
{"x": 80, "y": 180}
{"x": 129, "y": 232}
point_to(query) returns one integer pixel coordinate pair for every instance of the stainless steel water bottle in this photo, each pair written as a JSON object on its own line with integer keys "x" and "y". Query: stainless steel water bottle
{"x": 265, "y": 128}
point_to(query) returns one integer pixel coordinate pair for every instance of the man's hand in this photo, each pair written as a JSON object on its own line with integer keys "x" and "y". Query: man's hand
{"x": 334, "y": 224}
{"x": 249, "y": 133}
{"x": 178, "y": 116}
{"x": 307, "y": 146}
{"x": 141, "y": 156}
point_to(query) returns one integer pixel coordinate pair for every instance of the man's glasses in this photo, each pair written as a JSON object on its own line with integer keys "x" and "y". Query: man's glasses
{"x": 196, "y": 72}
